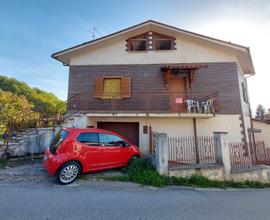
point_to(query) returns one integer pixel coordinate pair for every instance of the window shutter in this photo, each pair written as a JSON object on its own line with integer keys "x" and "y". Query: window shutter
{"x": 98, "y": 87}
{"x": 126, "y": 87}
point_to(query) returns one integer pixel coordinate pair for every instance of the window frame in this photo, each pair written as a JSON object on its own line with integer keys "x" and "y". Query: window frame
{"x": 126, "y": 144}
{"x": 162, "y": 37}
{"x": 98, "y": 142}
{"x": 139, "y": 38}
{"x": 107, "y": 78}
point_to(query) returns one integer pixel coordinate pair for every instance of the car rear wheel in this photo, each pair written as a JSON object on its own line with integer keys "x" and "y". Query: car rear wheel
{"x": 68, "y": 172}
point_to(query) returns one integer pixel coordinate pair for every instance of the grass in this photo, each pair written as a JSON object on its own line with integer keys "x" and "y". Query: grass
{"x": 3, "y": 163}
{"x": 141, "y": 171}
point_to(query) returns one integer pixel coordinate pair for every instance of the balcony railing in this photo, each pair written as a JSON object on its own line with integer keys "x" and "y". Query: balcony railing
{"x": 146, "y": 102}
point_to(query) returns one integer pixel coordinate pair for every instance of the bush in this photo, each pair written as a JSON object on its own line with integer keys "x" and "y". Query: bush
{"x": 142, "y": 171}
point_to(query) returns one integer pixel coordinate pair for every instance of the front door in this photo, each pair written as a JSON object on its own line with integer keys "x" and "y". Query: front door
{"x": 177, "y": 88}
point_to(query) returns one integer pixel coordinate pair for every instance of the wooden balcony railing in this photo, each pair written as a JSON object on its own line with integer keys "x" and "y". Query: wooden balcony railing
{"x": 146, "y": 102}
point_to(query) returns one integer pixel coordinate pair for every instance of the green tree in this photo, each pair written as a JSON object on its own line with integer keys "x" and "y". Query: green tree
{"x": 43, "y": 102}
{"x": 14, "y": 110}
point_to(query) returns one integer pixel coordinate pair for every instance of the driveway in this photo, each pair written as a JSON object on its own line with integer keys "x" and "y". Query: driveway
{"x": 36, "y": 196}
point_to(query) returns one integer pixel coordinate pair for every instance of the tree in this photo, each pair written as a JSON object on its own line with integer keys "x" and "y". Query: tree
{"x": 14, "y": 110}
{"x": 43, "y": 102}
{"x": 260, "y": 111}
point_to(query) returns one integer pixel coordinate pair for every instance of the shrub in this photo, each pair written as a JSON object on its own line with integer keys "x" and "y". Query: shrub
{"x": 142, "y": 171}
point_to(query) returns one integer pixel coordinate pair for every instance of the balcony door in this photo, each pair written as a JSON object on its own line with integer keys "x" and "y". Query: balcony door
{"x": 177, "y": 88}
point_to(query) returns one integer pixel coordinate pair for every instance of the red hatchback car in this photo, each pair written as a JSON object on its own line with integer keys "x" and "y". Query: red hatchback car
{"x": 75, "y": 151}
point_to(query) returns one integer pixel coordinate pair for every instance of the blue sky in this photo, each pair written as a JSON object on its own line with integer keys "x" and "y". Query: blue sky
{"x": 30, "y": 31}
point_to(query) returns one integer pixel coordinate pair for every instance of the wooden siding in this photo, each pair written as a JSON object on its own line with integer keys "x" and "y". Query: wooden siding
{"x": 215, "y": 77}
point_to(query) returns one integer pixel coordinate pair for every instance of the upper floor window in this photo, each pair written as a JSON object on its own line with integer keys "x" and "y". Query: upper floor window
{"x": 112, "y": 87}
{"x": 150, "y": 41}
{"x": 162, "y": 42}
{"x": 138, "y": 43}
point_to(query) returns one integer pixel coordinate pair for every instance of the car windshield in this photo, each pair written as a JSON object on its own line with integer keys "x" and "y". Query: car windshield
{"x": 57, "y": 140}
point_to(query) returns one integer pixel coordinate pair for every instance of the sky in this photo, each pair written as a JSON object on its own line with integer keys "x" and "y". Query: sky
{"x": 30, "y": 31}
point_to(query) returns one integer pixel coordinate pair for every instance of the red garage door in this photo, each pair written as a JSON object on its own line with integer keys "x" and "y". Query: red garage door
{"x": 129, "y": 130}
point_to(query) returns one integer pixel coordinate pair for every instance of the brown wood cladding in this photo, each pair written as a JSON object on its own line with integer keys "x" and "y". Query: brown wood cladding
{"x": 215, "y": 77}
{"x": 98, "y": 87}
{"x": 125, "y": 87}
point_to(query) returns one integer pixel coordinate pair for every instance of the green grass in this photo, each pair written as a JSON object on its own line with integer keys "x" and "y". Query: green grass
{"x": 141, "y": 171}
{"x": 3, "y": 163}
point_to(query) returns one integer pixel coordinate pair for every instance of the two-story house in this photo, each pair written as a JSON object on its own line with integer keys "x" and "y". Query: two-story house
{"x": 154, "y": 77}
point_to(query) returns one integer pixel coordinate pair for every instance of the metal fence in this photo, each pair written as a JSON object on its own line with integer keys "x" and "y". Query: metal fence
{"x": 191, "y": 150}
{"x": 262, "y": 153}
{"x": 145, "y": 102}
{"x": 239, "y": 155}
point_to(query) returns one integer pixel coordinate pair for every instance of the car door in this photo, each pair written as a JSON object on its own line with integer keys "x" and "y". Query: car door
{"x": 116, "y": 151}
{"x": 91, "y": 151}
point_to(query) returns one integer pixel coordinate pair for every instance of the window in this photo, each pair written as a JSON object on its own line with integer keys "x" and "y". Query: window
{"x": 244, "y": 92}
{"x": 89, "y": 138}
{"x": 111, "y": 140}
{"x": 162, "y": 42}
{"x": 138, "y": 43}
{"x": 111, "y": 88}
{"x": 57, "y": 140}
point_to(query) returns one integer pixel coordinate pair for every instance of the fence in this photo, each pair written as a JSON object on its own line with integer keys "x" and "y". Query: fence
{"x": 262, "y": 153}
{"x": 146, "y": 101}
{"x": 239, "y": 155}
{"x": 191, "y": 150}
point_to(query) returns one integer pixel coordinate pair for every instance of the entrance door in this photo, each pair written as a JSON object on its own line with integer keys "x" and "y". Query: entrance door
{"x": 129, "y": 130}
{"x": 177, "y": 87}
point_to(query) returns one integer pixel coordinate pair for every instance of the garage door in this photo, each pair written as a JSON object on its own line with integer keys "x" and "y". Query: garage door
{"x": 129, "y": 130}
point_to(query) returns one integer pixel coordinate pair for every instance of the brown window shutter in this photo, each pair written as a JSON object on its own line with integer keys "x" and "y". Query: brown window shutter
{"x": 98, "y": 87}
{"x": 126, "y": 87}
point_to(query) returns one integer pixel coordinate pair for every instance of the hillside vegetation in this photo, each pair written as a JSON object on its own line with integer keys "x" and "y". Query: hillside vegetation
{"x": 22, "y": 106}
{"x": 41, "y": 101}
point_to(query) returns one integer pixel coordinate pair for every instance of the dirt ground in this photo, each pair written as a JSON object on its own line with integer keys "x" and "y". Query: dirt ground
{"x": 30, "y": 170}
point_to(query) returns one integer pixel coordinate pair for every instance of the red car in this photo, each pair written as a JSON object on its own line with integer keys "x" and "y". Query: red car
{"x": 75, "y": 151}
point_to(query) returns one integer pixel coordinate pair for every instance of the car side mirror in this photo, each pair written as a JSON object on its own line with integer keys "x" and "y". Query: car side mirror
{"x": 126, "y": 144}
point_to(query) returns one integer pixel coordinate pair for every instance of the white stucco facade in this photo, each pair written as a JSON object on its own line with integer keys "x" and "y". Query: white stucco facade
{"x": 178, "y": 126}
{"x": 264, "y": 135}
{"x": 187, "y": 51}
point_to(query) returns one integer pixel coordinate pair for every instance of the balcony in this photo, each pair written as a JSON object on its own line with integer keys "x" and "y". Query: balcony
{"x": 147, "y": 104}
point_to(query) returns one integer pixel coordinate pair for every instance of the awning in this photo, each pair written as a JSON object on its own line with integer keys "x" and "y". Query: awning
{"x": 183, "y": 66}
{"x": 190, "y": 67}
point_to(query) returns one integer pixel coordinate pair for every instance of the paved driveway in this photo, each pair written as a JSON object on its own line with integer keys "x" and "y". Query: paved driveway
{"x": 90, "y": 198}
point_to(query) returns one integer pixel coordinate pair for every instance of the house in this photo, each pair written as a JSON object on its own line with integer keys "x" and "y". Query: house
{"x": 153, "y": 77}
{"x": 264, "y": 129}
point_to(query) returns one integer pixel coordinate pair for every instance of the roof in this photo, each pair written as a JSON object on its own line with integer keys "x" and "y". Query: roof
{"x": 152, "y": 22}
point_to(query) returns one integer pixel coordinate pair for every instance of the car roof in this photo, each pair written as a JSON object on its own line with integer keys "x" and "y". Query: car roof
{"x": 79, "y": 130}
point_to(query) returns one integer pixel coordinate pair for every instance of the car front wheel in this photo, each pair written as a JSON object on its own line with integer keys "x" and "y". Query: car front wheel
{"x": 68, "y": 172}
